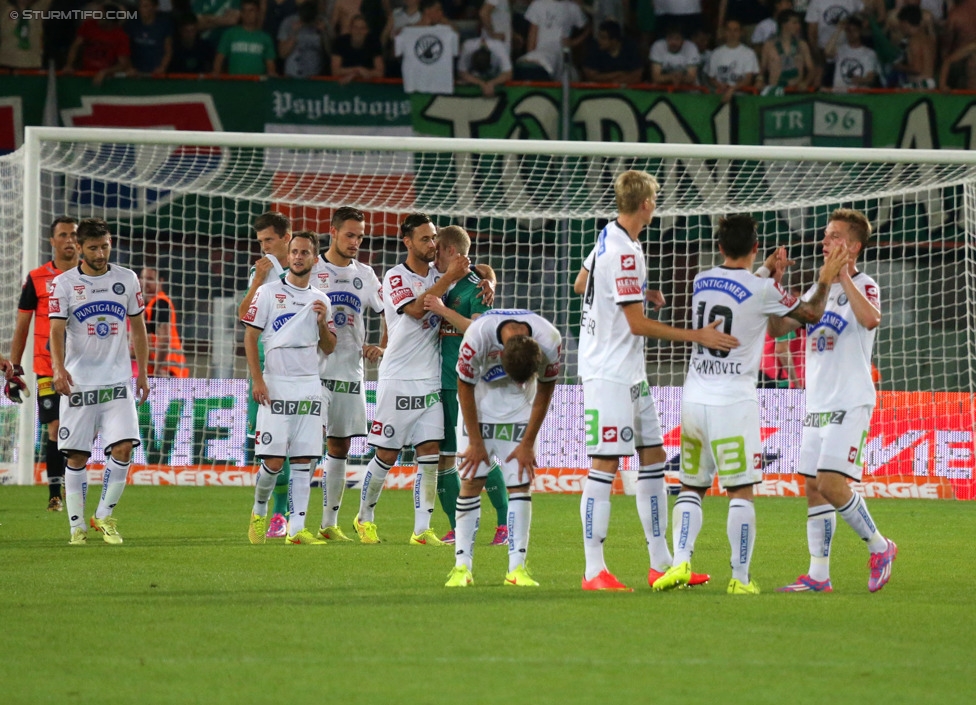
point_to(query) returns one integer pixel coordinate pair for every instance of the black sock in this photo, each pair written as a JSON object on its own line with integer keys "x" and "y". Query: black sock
{"x": 55, "y": 468}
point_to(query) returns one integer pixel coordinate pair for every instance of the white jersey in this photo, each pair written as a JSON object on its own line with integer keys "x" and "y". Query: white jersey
{"x": 351, "y": 290}
{"x": 617, "y": 275}
{"x": 685, "y": 57}
{"x": 743, "y": 302}
{"x": 729, "y": 66}
{"x": 413, "y": 349}
{"x": 851, "y": 63}
{"x": 428, "y": 58}
{"x": 94, "y": 309}
{"x": 480, "y": 363}
{"x": 289, "y": 330}
{"x": 839, "y": 352}
{"x": 826, "y": 14}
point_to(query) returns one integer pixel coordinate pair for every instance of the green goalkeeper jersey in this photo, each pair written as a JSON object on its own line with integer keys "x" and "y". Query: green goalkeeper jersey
{"x": 463, "y": 298}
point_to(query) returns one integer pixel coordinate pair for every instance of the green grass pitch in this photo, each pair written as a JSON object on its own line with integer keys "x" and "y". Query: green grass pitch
{"x": 187, "y": 612}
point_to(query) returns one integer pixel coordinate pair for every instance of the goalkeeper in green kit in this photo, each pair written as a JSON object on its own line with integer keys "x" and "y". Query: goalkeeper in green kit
{"x": 463, "y": 304}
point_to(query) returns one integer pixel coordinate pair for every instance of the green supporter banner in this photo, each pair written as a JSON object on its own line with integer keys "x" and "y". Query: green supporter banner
{"x": 289, "y": 105}
{"x": 905, "y": 120}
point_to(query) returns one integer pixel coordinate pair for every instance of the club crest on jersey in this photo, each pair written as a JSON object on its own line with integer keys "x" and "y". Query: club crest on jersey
{"x": 628, "y": 262}
{"x": 357, "y": 283}
{"x": 118, "y": 288}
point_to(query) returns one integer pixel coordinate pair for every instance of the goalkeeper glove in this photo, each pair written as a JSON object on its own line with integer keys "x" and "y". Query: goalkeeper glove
{"x": 15, "y": 385}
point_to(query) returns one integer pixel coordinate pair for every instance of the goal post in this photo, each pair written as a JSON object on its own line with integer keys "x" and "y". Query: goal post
{"x": 182, "y": 203}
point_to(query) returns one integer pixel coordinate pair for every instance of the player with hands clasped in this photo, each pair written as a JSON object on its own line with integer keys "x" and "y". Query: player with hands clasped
{"x": 507, "y": 371}
{"x": 294, "y": 321}
{"x": 840, "y": 399}
{"x": 619, "y": 410}
{"x": 719, "y": 407}
{"x": 89, "y": 311}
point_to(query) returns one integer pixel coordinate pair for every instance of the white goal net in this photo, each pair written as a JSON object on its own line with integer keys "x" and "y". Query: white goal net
{"x": 183, "y": 203}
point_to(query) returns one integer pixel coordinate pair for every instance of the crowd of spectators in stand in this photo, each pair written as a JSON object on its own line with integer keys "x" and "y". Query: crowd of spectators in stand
{"x": 716, "y": 45}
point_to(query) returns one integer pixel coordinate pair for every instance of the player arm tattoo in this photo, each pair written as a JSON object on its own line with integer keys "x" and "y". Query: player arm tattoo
{"x": 812, "y": 310}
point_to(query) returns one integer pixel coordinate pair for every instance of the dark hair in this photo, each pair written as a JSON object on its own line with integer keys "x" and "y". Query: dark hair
{"x": 520, "y": 358}
{"x": 273, "y": 219}
{"x": 912, "y": 14}
{"x": 344, "y": 213}
{"x": 256, "y": 3}
{"x": 310, "y": 236}
{"x": 481, "y": 61}
{"x": 308, "y": 11}
{"x": 412, "y": 222}
{"x": 737, "y": 235}
{"x": 855, "y": 21}
{"x": 61, "y": 220}
{"x": 613, "y": 30}
{"x": 673, "y": 30}
{"x": 187, "y": 18}
{"x": 785, "y": 16}
{"x": 91, "y": 229}
{"x": 426, "y": 4}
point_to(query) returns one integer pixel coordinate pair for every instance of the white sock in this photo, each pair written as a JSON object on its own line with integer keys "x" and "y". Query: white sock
{"x": 333, "y": 483}
{"x": 373, "y": 480}
{"x": 856, "y": 514}
{"x": 686, "y": 524}
{"x": 424, "y": 493}
{"x": 113, "y": 483}
{"x": 75, "y": 492}
{"x": 263, "y": 487}
{"x": 595, "y": 515}
{"x": 821, "y": 525}
{"x": 741, "y": 528}
{"x": 468, "y": 517}
{"x": 519, "y": 524}
{"x": 299, "y": 490}
{"x": 652, "y": 507}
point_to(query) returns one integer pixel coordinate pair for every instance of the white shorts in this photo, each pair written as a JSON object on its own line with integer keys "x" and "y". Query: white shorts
{"x": 408, "y": 413}
{"x": 619, "y": 418}
{"x": 835, "y": 440}
{"x": 90, "y": 410}
{"x": 723, "y": 439}
{"x": 290, "y": 426}
{"x": 500, "y": 440}
{"x": 343, "y": 408}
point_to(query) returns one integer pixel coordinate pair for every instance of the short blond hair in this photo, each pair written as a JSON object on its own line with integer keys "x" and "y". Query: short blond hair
{"x": 858, "y": 223}
{"x": 456, "y": 237}
{"x": 632, "y": 188}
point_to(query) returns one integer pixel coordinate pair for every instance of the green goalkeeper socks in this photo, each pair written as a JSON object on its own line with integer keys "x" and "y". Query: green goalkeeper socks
{"x": 497, "y": 493}
{"x": 448, "y": 489}
{"x": 281, "y": 490}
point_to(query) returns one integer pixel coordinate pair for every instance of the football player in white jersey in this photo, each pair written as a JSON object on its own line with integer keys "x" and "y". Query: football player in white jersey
{"x": 840, "y": 399}
{"x": 619, "y": 410}
{"x": 273, "y": 233}
{"x": 89, "y": 311}
{"x": 352, "y": 288}
{"x": 294, "y": 321}
{"x": 719, "y": 408}
{"x": 408, "y": 400}
{"x": 502, "y": 409}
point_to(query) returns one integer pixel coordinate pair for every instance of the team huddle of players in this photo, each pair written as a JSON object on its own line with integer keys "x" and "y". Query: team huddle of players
{"x": 457, "y": 378}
